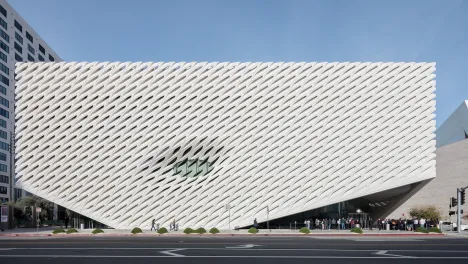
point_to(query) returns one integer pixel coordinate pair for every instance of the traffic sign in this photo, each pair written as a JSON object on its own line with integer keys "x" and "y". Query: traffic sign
{"x": 38, "y": 209}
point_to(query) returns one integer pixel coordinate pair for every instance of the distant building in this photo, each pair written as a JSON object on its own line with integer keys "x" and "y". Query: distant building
{"x": 18, "y": 43}
{"x": 455, "y": 128}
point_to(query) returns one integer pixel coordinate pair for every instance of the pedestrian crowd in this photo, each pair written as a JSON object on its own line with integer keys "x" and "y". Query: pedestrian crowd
{"x": 332, "y": 223}
{"x": 404, "y": 224}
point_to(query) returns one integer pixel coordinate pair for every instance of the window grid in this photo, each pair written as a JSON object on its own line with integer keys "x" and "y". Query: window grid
{"x": 18, "y": 26}
{"x": 3, "y": 134}
{"x": 4, "y": 69}
{"x": 3, "y": 23}
{"x": 4, "y": 46}
{"x": 18, "y": 48}
{"x": 18, "y": 37}
{"x": 3, "y": 57}
{"x": 4, "y": 35}
{"x": 3, "y": 11}
{"x": 4, "y": 80}
{"x": 3, "y": 123}
{"x": 4, "y": 101}
{"x": 31, "y": 49}
{"x": 3, "y": 190}
{"x": 4, "y": 179}
{"x": 3, "y": 156}
{"x": 28, "y": 36}
{"x": 4, "y": 146}
{"x": 18, "y": 57}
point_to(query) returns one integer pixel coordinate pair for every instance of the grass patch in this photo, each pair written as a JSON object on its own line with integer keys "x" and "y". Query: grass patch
{"x": 97, "y": 231}
{"x": 58, "y": 231}
{"x": 136, "y": 230}
{"x": 214, "y": 230}
{"x": 435, "y": 230}
{"x": 253, "y": 230}
{"x": 162, "y": 230}
{"x": 357, "y": 230}
{"x": 421, "y": 230}
{"x": 304, "y": 230}
{"x": 72, "y": 230}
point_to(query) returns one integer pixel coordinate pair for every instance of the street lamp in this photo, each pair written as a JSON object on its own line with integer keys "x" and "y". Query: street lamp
{"x": 268, "y": 212}
{"x": 228, "y": 207}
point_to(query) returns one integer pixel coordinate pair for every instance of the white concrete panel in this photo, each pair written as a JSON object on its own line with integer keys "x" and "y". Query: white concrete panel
{"x": 102, "y": 138}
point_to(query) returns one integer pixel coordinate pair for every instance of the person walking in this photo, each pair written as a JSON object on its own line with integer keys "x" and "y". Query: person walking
{"x": 255, "y": 223}
{"x": 152, "y": 225}
{"x": 422, "y": 222}
{"x": 415, "y": 223}
{"x": 317, "y": 223}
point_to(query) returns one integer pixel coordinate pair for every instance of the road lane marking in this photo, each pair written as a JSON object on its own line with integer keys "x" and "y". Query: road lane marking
{"x": 384, "y": 253}
{"x": 283, "y": 257}
{"x": 170, "y": 252}
{"x": 245, "y": 246}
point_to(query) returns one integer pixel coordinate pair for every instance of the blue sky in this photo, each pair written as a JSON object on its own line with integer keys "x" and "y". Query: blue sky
{"x": 249, "y": 30}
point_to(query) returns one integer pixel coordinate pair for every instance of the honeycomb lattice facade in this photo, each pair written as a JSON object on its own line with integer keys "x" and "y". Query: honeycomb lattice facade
{"x": 125, "y": 143}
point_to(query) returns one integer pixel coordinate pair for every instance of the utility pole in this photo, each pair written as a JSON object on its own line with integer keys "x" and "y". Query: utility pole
{"x": 268, "y": 212}
{"x": 460, "y": 201}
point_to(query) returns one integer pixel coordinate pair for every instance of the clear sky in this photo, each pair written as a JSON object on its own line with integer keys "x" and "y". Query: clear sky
{"x": 269, "y": 30}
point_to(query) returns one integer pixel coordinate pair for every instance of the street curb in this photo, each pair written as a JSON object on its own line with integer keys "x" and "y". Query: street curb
{"x": 221, "y": 235}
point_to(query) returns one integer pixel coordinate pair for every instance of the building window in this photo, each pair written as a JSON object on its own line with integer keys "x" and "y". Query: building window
{"x": 4, "y": 101}
{"x": 4, "y": 68}
{"x": 3, "y": 11}
{"x": 41, "y": 49}
{"x": 18, "y": 37}
{"x": 4, "y": 80}
{"x": 18, "y": 48}
{"x": 4, "y": 113}
{"x": 4, "y": 146}
{"x": 3, "y": 23}
{"x": 51, "y": 58}
{"x": 4, "y": 35}
{"x": 4, "y": 179}
{"x": 3, "y": 90}
{"x": 31, "y": 49}
{"x": 4, "y": 46}
{"x": 3, "y": 190}
{"x": 28, "y": 36}
{"x": 31, "y": 58}
{"x": 40, "y": 57}
{"x": 18, "y": 57}
{"x": 3, "y": 57}
{"x": 3, "y": 156}
{"x": 3, "y": 167}
{"x": 3, "y": 123}
{"x": 3, "y": 134}
{"x": 18, "y": 26}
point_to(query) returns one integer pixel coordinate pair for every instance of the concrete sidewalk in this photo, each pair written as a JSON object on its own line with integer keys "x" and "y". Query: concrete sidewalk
{"x": 47, "y": 231}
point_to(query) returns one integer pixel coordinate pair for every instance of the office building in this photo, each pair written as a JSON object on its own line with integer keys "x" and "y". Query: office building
{"x": 222, "y": 144}
{"x": 18, "y": 43}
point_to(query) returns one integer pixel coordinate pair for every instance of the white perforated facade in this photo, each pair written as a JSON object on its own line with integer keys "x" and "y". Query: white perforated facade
{"x": 109, "y": 140}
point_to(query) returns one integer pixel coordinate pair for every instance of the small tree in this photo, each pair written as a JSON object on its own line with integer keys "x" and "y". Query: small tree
{"x": 426, "y": 212}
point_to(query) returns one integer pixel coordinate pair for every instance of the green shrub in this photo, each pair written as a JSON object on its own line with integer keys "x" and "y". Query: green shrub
{"x": 434, "y": 230}
{"x": 214, "y": 230}
{"x": 72, "y": 230}
{"x": 357, "y": 230}
{"x": 162, "y": 230}
{"x": 58, "y": 231}
{"x": 200, "y": 230}
{"x": 188, "y": 230}
{"x": 97, "y": 231}
{"x": 421, "y": 230}
{"x": 253, "y": 230}
{"x": 136, "y": 230}
{"x": 304, "y": 230}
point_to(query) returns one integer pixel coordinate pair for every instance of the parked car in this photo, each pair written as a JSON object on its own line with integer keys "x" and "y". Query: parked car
{"x": 448, "y": 226}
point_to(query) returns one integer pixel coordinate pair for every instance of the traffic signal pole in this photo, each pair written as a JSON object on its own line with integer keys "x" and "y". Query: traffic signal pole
{"x": 458, "y": 210}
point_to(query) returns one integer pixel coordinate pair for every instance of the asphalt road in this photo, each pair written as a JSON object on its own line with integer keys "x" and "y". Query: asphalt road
{"x": 116, "y": 250}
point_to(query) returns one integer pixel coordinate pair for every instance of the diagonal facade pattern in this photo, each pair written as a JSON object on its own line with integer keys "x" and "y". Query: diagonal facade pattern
{"x": 125, "y": 143}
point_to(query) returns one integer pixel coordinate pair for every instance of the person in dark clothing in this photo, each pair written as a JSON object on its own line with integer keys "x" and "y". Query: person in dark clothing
{"x": 152, "y": 225}
{"x": 66, "y": 221}
{"x": 255, "y": 223}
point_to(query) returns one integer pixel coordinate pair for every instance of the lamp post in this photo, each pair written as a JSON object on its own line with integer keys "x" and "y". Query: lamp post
{"x": 228, "y": 207}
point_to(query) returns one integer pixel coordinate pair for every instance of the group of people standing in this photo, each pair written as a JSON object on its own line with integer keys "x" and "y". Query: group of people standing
{"x": 173, "y": 226}
{"x": 327, "y": 223}
{"x": 407, "y": 224}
